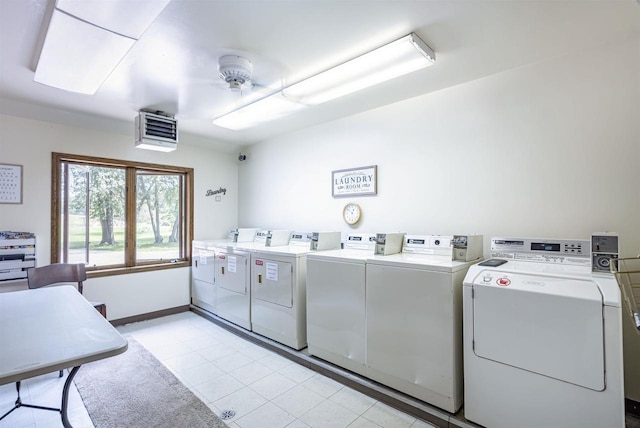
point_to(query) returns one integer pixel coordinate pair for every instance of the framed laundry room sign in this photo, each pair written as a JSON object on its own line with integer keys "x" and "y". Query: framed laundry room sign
{"x": 360, "y": 181}
{"x": 10, "y": 184}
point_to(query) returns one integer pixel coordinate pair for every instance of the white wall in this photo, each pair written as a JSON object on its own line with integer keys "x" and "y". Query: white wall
{"x": 30, "y": 143}
{"x": 547, "y": 150}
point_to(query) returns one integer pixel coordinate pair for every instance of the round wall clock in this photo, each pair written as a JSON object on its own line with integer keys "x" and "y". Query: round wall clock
{"x": 351, "y": 213}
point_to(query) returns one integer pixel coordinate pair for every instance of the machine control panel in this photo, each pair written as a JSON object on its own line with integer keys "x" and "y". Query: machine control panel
{"x": 302, "y": 239}
{"x": 360, "y": 241}
{"x": 467, "y": 247}
{"x": 278, "y": 237}
{"x": 388, "y": 243}
{"x": 321, "y": 241}
{"x": 561, "y": 251}
{"x": 428, "y": 244}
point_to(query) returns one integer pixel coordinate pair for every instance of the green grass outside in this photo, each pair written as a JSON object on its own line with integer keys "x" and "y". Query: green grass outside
{"x": 145, "y": 238}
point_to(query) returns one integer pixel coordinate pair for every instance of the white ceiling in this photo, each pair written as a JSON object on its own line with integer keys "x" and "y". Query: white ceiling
{"x": 173, "y": 67}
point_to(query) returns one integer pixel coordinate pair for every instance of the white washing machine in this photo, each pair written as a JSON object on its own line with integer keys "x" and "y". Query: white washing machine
{"x": 542, "y": 338}
{"x": 414, "y": 320}
{"x": 336, "y": 302}
{"x": 278, "y": 287}
{"x": 203, "y": 287}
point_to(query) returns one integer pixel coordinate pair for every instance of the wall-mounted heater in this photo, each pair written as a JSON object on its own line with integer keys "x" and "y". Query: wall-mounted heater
{"x": 156, "y": 132}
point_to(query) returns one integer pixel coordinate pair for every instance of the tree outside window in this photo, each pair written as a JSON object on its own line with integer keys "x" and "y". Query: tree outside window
{"x": 118, "y": 215}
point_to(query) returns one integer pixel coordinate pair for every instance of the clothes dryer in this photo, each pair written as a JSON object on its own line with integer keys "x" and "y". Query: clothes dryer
{"x": 542, "y": 338}
{"x": 278, "y": 287}
{"x": 203, "y": 287}
{"x": 232, "y": 279}
{"x": 233, "y": 299}
{"x": 336, "y": 302}
{"x": 414, "y": 320}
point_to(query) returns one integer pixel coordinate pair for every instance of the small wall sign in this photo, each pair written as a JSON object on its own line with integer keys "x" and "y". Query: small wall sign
{"x": 216, "y": 192}
{"x": 10, "y": 184}
{"x": 360, "y": 181}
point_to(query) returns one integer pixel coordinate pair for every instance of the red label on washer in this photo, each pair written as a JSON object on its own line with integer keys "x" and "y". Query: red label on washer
{"x": 259, "y": 262}
{"x": 504, "y": 282}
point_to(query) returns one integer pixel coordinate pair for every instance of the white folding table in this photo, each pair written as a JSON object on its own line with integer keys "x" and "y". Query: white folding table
{"x": 49, "y": 329}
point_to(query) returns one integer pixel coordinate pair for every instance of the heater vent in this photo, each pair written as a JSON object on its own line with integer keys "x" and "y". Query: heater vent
{"x": 156, "y": 132}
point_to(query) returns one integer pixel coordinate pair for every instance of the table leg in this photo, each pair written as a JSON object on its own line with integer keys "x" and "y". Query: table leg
{"x": 65, "y": 397}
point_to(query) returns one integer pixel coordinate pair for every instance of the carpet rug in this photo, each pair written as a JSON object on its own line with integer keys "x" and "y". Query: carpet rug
{"x": 134, "y": 389}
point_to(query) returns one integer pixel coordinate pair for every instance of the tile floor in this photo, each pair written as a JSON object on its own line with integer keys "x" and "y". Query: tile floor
{"x": 227, "y": 373}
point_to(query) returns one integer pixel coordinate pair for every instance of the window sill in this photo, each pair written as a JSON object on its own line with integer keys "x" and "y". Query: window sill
{"x": 136, "y": 269}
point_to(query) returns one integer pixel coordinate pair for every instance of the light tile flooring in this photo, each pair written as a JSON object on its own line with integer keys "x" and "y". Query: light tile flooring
{"x": 227, "y": 373}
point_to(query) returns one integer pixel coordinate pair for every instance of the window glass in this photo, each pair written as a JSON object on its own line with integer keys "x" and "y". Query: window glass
{"x": 96, "y": 215}
{"x": 113, "y": 215}
{"x": 158, "y": 216}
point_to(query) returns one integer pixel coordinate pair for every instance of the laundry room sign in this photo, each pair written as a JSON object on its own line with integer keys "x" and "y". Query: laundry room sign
{"x": 360, "y": 181}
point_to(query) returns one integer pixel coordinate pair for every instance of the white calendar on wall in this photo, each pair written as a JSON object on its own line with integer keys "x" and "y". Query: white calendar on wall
{"x": 10, "y": 184}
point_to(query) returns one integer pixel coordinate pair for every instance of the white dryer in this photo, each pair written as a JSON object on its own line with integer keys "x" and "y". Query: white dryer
{"x": 278, "y": 287}
{"x": 220, "y": 282}
{"x": 233, "y": 287}
{"x": 203, "y": 288}
{"x": 542, "y": 338}
{"x": 336, "y": 302}
{"x": 414, "y": 320}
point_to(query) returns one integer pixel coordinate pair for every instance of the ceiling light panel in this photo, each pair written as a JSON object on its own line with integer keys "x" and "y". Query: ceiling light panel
{"x": 270, "y": 108}
{"x": 126, "y": 17}
{"x": 77, "y": 56}
{"x": 393, "y": 60}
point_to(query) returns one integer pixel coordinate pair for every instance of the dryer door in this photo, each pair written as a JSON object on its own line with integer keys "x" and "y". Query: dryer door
{"x": 547, "y": 325}
{"x": 272, "y": 281}
{"x": 231, "y": 272}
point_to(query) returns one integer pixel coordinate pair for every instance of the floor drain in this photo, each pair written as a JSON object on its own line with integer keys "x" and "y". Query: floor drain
{"x": 227, "y": 414}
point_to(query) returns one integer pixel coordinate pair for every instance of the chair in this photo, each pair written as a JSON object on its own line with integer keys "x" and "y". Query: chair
{"x": 58, "y": 273}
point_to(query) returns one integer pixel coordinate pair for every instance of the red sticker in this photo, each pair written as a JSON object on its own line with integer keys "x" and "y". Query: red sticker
{"x": 222, "y": 257}
{"x": 259, "y": 262}
{"x": 504, "y": 282}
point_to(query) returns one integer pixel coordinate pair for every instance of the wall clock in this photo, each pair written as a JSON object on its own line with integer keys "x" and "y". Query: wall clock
{"x": 351, "y": 213}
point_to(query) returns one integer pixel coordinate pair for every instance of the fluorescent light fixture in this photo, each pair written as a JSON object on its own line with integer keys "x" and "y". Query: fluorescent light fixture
{"x": 156, "y": 147}
{"x": 393, "y": 60}
{"x": 390, "y": 61}
{"x": 86, "y": 40}
{"x": 263, "y": 110}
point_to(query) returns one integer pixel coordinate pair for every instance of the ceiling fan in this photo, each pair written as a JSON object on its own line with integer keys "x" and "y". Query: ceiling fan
{"x": 236, "y": 72}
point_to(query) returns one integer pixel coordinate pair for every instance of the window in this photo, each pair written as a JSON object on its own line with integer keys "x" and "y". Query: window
{"x": 120, "y": 216}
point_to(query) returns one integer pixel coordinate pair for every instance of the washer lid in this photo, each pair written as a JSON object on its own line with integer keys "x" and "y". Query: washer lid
{"x": 547, "y": 325}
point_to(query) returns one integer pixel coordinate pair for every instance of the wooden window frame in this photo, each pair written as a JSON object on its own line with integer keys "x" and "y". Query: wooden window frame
{"x": 130, "y": 265}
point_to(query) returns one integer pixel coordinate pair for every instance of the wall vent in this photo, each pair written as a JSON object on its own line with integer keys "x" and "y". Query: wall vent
{"x": 156, "y": 132}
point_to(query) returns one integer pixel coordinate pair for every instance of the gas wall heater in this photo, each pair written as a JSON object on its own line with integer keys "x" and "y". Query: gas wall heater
{"x": 156, "y": 132}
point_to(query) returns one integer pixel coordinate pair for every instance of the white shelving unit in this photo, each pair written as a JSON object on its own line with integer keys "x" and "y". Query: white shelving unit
{"x": 17, "y": 254}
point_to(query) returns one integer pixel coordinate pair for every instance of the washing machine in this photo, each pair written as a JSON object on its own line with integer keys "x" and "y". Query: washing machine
{"x": 278, "y": 287}
{"x": 336, "y": 302}
{"x": 414, "y": 320}
{"x": 542, "y": 338}
{"x": 203, "y": 287}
